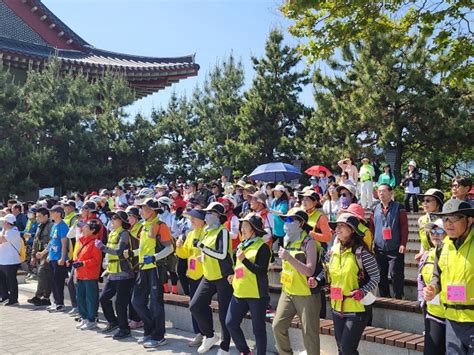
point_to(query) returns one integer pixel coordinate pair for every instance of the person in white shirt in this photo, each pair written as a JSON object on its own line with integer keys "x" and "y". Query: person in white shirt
{"x": 10, "y": 245}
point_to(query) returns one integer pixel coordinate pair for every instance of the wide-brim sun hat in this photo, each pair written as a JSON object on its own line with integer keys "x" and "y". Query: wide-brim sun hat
{"x": 349, "y": 219}
{"x": 199, "y": 214}
{"x": 349, "y": 187}
{"x": 437, "y": 194}
{"x": 454, "y": 206}
{"x": 256, "y": 222}
{"x": 150, "y": 203}
{"x": 261, "y": 197}
{"x": 299, "y": 215}
{"x": 215, "y": 207}
{"x": 122, "y": 215}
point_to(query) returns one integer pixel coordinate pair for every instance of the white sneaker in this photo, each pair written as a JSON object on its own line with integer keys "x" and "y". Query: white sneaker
{"x": 73, "y": 312}
{"x": 80, "y": 324}
{"x": 49, "y": 308}
{"x": 222, "y": 352}
{"x": 208, "y": 343}
{"x": 197, "y": 341}
{"x": 88, "y": 325}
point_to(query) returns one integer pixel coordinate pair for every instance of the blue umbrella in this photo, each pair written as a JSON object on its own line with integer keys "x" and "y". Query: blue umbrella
{"x": 276, "y": 171}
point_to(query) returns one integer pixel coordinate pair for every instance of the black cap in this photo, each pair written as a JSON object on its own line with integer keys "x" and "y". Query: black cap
{"x": 89, "y": 206}
{"x": 57, "y": 208}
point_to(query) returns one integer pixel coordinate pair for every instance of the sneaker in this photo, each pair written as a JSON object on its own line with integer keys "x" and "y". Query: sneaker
{"x": 10, "y": 303}
{"x": 45, "y": 302}
{"x": 88, "y": 325}
{"x": 110, "y": 328}
{"x": 143, "y": 339}
{"x": 73, "y": 312}
{"x": 154, "y": 343}
{"x": 4, "y": 300}
{"x": 121, "y": 334}
{"x": 78, "y": 319}
{"x": 35, "y": 300}
{"x": 208, "y": 343}
{"x": 51, "y": 306}
{"x": 135, "y": 325}
{"x": 58, "y": 308}
{"x": 197, "y": 341}
{"x": 222, "y": 352}
{"x": 80, "y": 323}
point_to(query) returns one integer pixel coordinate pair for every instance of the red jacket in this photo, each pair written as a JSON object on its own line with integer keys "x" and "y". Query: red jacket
{"x": 91, "y": 257}
{"x": 179, "y": 202}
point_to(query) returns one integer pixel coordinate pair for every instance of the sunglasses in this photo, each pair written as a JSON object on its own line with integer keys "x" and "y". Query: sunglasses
{"x": 289, "y": 220}
{"x": 453, "y": 219}
{"x": 438, "y": 231}
{"x": 343, "y": 195}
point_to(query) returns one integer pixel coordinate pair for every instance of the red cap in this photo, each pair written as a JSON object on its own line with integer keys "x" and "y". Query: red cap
{"x": 356, "y": 210}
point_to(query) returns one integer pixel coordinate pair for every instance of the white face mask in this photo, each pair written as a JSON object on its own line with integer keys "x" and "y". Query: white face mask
{"x": 292, "y": 231}
{"x": 212, "y": 220}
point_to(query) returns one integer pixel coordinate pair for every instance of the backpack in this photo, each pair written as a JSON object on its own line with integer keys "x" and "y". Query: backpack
{"x": 22, "y": 251}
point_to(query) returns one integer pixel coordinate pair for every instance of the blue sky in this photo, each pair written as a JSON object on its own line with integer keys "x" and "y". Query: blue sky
{"x": 210, "y": 28}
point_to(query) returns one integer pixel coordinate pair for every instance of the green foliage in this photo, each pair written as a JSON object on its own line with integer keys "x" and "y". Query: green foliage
{"x": 331, "y": 25}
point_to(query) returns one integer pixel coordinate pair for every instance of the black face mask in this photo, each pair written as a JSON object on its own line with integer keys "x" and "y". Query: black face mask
{"x": 160, "y": 211}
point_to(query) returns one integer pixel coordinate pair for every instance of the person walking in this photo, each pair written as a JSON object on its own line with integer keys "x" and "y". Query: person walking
{"x": 155, "y": 246}
{"x": 250, "y": 285}
{"x": 453, "y": 276}
{"x": 351, "y": 293}
{"x": 120, "y": 276}
{"x": 216, "y": 257}
{"x": 300, "y": 261}
{"x": 411, "y": 181}
{"x": 10, "y": 245}
{"x": 434, "y": 314}
{"x": 87, "y": 265}
{"x": 186, "y": 250}
{"x": 389, "y": 226}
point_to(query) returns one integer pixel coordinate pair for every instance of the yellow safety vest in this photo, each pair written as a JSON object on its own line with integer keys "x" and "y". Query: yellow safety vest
{"x": 457, "y": 269}
{"x": 427, "y": 275}
{"x": 135, "y": 229}
{"x": 422, "y": 232}
{"x": 245, "y": 281}
{"x": 344, "y": 273}
{"x": 68, "y": 218}
{"x": 293, "y": 282}
{"x": 147, "y": 243}
{"x": 193, "y": 254}
{"x": 211, "y": 267}
{"x": 113, "y": 266}
{"x": 365, "y": 171}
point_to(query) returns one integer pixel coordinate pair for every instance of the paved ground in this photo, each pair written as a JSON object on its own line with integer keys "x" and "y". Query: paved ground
{"x": 32, "y": 330}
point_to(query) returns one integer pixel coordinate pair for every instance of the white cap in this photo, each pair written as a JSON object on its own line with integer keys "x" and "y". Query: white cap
{"x": 9, "y": 218}
{"x": 412, "y": 163}
{"x": 279, "y": 187}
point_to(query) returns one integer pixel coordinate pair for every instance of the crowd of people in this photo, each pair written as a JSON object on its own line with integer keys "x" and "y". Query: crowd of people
{"x": 220, "y": 238}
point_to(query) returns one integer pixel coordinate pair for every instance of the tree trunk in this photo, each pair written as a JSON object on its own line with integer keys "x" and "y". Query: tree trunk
{"x": 397, "y": 170}
{"x": 438, "y": 173}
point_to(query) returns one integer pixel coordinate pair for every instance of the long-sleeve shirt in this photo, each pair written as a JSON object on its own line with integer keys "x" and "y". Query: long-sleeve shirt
{"x": 124, "y": 243}
{"x": 222, "y": 246}
{"x": 325, "y": 235}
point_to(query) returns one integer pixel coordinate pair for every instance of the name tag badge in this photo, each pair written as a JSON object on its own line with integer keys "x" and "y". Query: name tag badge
{"x": 457, "y": 293}
{"x": 239, "y": 273}
{"x": 336, "y": 294}
{"x": 286, "y": 278}
{"x": 387, "y": 233}
{"x": 192, "y": 264}
{"x": 435, "y": 301}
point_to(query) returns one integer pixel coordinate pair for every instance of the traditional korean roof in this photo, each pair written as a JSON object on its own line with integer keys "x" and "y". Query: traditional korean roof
{"x": 30, "y": 34}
